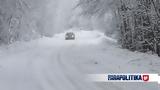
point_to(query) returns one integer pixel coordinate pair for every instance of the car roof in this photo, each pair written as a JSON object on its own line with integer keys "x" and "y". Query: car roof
{"x": 69, "y": 33}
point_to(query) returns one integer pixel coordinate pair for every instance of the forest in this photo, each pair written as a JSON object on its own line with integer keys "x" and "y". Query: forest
{"x": 135, "y": 23}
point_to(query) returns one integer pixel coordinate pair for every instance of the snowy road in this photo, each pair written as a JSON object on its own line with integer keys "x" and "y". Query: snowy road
{"x": 56, "y": 64}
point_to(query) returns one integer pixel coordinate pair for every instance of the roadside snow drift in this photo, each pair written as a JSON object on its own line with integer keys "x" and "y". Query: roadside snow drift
{"x": 81, "y": 38}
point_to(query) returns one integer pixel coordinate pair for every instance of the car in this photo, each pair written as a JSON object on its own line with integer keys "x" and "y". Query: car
{"x": 69, "y": 36}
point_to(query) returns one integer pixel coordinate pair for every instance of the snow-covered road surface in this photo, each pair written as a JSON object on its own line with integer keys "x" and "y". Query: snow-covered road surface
{"x": 56, "y": 64}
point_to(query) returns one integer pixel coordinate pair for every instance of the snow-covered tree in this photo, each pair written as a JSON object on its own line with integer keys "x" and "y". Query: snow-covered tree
{"x": 22, "y": 19}
{"x": 140, "y": 25}
{"x": 100, "y": 13}
{"x": 138, "y": 21}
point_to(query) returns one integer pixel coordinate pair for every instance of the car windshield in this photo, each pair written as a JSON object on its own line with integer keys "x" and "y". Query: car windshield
{"x": 69, "y": 34}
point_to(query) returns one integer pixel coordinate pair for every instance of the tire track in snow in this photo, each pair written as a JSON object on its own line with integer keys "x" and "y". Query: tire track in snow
{"x": 76, "y": 78}
{"x": 83, "y": 85}
{"x": 51, "y": 76}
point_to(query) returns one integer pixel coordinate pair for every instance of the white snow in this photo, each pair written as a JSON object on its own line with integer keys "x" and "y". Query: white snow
{"x": 57, "y": 64}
